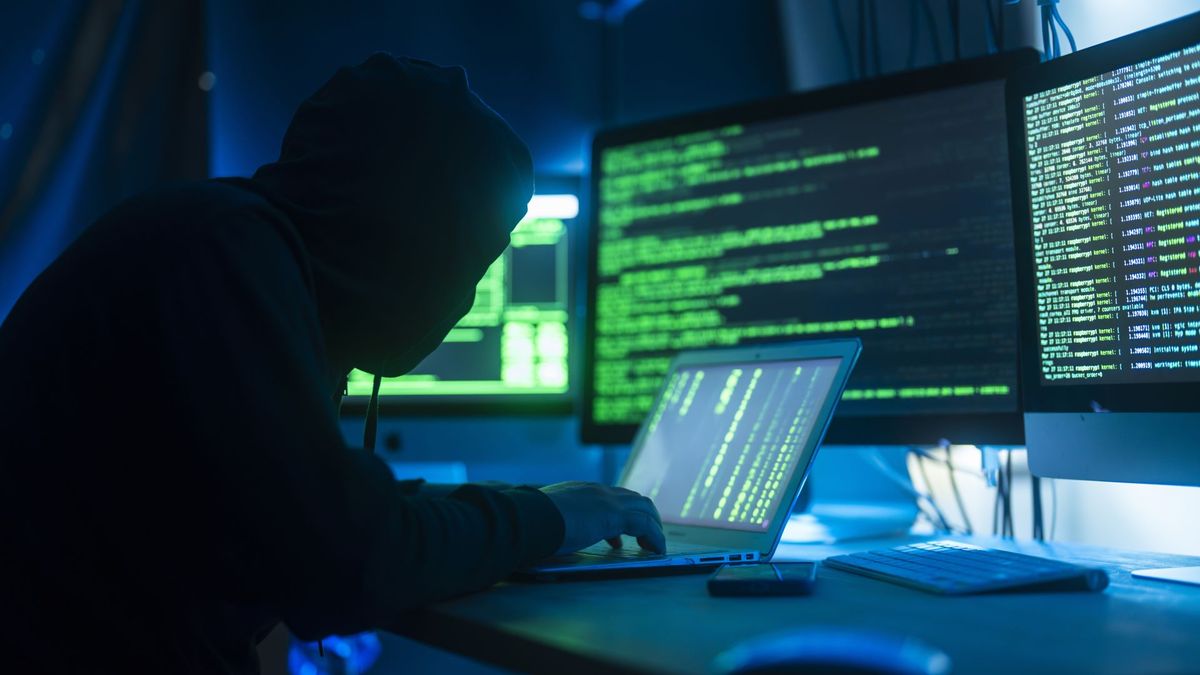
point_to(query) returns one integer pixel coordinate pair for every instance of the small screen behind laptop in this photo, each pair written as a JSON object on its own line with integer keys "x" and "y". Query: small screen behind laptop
{"x": 723, "y": 441}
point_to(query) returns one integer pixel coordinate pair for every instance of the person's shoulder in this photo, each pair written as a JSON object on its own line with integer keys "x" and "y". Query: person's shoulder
{"x": 198, "y": 209}
{"x": 196, "y": 221}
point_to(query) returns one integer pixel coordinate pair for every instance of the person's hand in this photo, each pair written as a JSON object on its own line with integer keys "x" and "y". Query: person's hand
{"x": 592, "y": 512}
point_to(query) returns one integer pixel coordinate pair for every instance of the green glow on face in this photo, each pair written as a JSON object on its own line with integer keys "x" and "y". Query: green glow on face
{"x": 532, "y": 337}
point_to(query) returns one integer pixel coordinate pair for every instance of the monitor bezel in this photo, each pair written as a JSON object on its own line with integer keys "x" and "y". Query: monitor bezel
{"x": 900, "y": 429}
{"x": 522, "y": 405}
{"x": 1037, "y": 396}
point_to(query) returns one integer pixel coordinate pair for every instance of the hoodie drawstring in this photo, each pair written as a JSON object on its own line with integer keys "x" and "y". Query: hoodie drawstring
{"x": 368, "y": 444}
{"x": 372, "y": 417}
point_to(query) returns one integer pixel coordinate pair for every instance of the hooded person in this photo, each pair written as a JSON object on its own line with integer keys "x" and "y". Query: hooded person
{"x": 172, "y": 470}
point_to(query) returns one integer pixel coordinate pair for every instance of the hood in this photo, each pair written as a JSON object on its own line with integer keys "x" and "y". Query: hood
{"x": 404, "y": 187}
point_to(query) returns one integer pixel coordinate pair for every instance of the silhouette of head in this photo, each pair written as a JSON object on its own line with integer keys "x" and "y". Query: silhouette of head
{"x": 404, "y": 186}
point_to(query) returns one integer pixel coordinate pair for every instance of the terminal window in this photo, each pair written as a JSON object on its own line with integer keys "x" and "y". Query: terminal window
{"x": 1114, "y": 177}
{"x": 890, "y": 221}
{"x": 514, "y": 340}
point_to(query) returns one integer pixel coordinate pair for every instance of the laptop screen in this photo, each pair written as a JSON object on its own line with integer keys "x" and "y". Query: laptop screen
{"x": 723, "y": 440}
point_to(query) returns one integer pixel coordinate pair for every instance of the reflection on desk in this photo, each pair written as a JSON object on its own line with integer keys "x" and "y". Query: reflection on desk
{"x": 671, "y": 625}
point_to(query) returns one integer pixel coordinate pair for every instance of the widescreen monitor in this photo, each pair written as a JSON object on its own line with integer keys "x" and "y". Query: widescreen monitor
{"x": 879, "y": 210}
{"x": 1106, "y": 179}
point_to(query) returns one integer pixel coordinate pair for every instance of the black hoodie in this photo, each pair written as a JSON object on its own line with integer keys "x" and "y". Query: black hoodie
{"x": 172, "y": 475}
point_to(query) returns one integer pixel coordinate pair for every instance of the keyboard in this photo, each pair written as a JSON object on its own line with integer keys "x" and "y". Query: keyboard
{"x": 955, "y": 568}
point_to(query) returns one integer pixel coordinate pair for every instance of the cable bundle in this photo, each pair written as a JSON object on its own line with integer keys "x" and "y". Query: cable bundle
{"x": 1051, "y": 21}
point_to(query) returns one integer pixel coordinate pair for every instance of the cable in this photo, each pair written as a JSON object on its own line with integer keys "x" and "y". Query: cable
{"x": 1046, "y": 55}
{"x": 1054, "y": 38}
{"x": 1008, "y": 478}
{"x": 840, "y": 29}
{"x": 372, "y": 416}
{"x": 905, "y": 484}
{"x": 997, "y": 507}
{"x": 1000, "y": 509}
{"x": 1053, "y": 508}
{"x": 945, "y": 524}
{"x": 1036, "y": 488}
{"x": 922, "y": 455}
{"x": 1051, "y": 21}
{"x": 962, "y": 508}
{"x": 1066, "y": 31}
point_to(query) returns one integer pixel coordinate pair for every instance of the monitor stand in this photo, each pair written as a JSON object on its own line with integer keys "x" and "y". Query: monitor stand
{"x": 1179, "y": 575}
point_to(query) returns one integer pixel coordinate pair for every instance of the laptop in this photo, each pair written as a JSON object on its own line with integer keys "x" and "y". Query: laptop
{"x": 724, "y": 452}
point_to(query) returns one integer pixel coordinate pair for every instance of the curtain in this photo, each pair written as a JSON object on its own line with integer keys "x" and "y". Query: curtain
{"x": 108, "y": 104}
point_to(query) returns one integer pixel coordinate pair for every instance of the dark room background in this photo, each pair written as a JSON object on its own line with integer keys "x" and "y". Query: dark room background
{"x": 105, "y": 98}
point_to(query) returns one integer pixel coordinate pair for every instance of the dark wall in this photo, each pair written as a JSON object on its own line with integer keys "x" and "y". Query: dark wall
{"x": 541, "y": 65}
{"x": 538, "y": 62}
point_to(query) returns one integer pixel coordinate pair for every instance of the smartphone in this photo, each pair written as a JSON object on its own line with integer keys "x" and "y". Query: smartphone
{"x": 760, "y": 579}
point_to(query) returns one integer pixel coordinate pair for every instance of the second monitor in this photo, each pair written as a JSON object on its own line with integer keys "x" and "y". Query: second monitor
{"x": 877, "y": 210}
{"x": 511, "y": 351}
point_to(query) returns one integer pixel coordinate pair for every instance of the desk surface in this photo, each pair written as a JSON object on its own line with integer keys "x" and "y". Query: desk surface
{"x": 671, "y": 625}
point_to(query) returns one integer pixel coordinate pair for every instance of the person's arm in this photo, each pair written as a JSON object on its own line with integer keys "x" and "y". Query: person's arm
{"x": 424, "y": 488}
{"x": 319, "y": 532}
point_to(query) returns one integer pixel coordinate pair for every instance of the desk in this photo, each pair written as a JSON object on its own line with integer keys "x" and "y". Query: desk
{"x": 671, "y": 625}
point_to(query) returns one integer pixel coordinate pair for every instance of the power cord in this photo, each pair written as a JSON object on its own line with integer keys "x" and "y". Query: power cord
{"x": 925, "y": 503}
{"x": 997, "y": 471}
{"x": 1051, "y": 21}
{"x": 1006, "y": 483}
{"x": 962, "y": 508}
{"x": 952, "y": 470}
{"x": 1053, "y": 508}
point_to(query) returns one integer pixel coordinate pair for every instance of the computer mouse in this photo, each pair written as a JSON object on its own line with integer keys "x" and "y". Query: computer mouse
{"x": 832, "y": 650}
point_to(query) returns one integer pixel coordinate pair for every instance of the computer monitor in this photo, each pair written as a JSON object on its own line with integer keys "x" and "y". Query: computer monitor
{"x": 1106, "y": 188}
{"x": 511, "y": 352}
{"x": 878, "y": 210}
